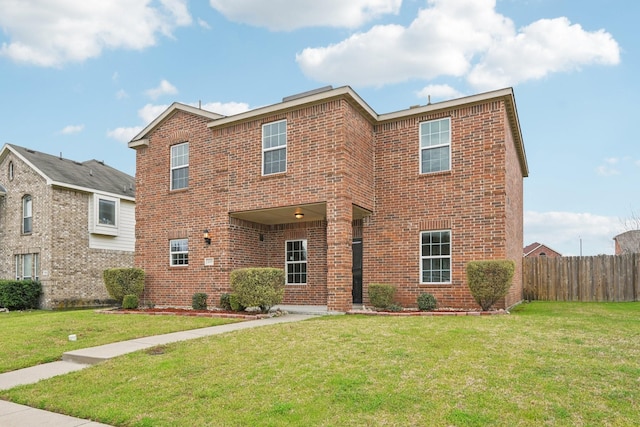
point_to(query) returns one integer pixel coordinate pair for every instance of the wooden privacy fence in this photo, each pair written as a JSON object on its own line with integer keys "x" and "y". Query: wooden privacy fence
{"x": 600, "y": 278}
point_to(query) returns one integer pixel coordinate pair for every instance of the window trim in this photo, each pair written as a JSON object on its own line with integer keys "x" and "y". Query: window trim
{"x": 27, "y": 198}
{"x": 96, "y": 226}
{"x": 279, "y": 147}
{"x": 19, "y": 265}
{"x": 173, "y": 261}
{"x": 173, "y": 168}
{"x": 449, "y": 257}
{"x": 305, "y": 262}
{"x": 433, "y": 147}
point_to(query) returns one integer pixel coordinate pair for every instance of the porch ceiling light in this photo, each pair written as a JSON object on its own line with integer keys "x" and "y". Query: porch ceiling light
{"x": 298, "y": 214}
{"x": 207, "y": 238}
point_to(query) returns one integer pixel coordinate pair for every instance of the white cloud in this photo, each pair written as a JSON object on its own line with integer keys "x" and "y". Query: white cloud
{"x": 124, "y": 134}
{"x": 439, "y": 92}
{"x": 204, "y": 24}
{"x": 122, "y": 94}
{"x": 164, "y": 88}
{"x": 608, "y": 168}
{"x": 68, "y": 130}
{"x": 563, "y": 231}
{"x": 459, "y": 38}
{"x": 50, "y": 33}
{"x": 226, "y": 109}
{"x": 286, "y": 15}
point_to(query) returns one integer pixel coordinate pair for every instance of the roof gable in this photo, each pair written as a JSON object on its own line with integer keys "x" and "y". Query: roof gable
{"x": 91, "y": 175}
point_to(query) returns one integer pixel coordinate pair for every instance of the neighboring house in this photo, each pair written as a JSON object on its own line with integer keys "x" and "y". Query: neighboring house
{"x": 63, "y": 222}
{"x": 628, "y": 242}
{"x": 538, "y": 249}
{"x": 335, "y": 194}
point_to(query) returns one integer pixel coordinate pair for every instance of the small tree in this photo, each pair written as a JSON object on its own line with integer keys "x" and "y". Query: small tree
{"x": 258, "y": 287}
{"x": 123, "y": 281}
{"x": 489, "y": 280}
{"x": 381, "y": 294}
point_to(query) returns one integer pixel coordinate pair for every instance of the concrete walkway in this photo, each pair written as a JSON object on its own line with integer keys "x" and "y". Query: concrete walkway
{"x": 12, "y": 414}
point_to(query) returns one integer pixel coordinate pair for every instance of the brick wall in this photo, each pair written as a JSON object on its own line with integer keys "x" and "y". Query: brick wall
{"x": 70, "y": 272}
{"x": 335, "y": 157}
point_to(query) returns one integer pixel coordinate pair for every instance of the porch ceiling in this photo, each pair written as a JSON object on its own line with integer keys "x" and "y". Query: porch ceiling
{"x": 285, "y": 215}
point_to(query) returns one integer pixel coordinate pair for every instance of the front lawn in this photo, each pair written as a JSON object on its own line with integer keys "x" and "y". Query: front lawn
{"x": 568, "y": 364}
{"x": 33, "y": 337}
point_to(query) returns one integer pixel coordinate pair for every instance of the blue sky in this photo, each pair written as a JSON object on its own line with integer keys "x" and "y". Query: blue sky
{"x": 82, "y": 78}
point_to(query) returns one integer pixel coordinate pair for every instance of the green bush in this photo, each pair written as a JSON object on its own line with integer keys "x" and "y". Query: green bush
{"x": 225, "y": 303}
{"x": 20, "y": 294}
{"x": 123, "y": 281}
{"x": 381, "y": 294}
{"x": 199, "y": 301}
{"x": 258, "y": 287}
{"x": 130, "y": 302}
{"x": 394, "y": 307}
{"x": 427, "y": 302}
{"x": 489, "y": 280}
{"x": 234, "y": 303}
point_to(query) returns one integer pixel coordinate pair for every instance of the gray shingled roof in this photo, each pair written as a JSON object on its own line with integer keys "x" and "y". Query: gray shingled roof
{"x": 92, "y": 174}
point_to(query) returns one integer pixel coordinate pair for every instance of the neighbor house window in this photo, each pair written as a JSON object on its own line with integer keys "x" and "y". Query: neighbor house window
{"x": 435, "y": 146}
{"x": 10, "y": 171}
{"x": 27, "y": 214}
{"x": 435, "y": 257}
{"x": 274, "y": 147}
{"x": 296, "y": 262}
{"x": 180, "y": 166}
{"x": 106, "y": 212}
{"x": 27, "y": 267}
{"x": 179, "y": 249}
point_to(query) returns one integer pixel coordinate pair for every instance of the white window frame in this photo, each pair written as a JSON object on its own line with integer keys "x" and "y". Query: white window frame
{"x": 291, "y": 261}
{"x": 176, "y": 166}
{"x": 27, "y": 213}
{"x": 180, "y": 256}
{"x": 97, "y": 226}
{"x": 436, "y": 256}
{"x": 20, "y": 267}
{"x": 267, "y": 147}
{"x": 433, "y": 141}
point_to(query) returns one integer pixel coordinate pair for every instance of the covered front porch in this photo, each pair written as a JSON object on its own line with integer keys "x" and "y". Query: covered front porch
{"x": 314, "y": 244}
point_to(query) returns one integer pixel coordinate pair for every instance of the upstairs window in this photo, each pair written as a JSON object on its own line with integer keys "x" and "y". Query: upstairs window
{"x": 27, "y": 214}
{"x": 296, "y": 262}
{"x": 435, "y": 257}
{"x": 435, "y": 146}
{"x": 106, "y": 212}
{"x": 180, "y": 166}
{"x": 274, "y": 147}
{"x": 179, "y": 250}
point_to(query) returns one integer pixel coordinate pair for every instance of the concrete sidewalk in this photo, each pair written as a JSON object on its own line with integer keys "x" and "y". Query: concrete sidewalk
{"x": 12, "y": 414}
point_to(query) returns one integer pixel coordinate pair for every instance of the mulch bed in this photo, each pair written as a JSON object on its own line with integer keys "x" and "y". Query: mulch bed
{"x": 440, "y": 312}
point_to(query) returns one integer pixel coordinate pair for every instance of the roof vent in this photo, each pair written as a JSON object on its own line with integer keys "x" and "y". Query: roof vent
{"x": 307, "y": 93}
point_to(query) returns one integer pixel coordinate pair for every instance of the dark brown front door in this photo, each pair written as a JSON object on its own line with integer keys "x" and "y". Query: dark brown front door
{"x": 356, "y": 270}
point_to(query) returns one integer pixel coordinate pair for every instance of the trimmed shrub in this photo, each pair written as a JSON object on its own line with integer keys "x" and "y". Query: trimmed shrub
{"x": 394, "y": 307}
{"x": 123, "y": 281}
{"x": 258, "y": 287}
{"x": 381, "y": 294}
{"x": 130, "y": 302}
{"x": 489, "y": 280}
{"x": 20, "y": 294}
{"x": 199, "y": 301}
{"x": 225, "y": 303}
{"x": 427, "y": 302}
{"x": 234, "y": 303}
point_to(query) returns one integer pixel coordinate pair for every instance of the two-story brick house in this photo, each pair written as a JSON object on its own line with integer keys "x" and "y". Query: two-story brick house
{"x": 334, "y": 193}
{"x": 63, "y": 222}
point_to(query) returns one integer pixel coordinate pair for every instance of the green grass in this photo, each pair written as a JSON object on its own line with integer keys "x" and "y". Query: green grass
{"x": 555, "y": 364}
{"x": 33, "y": 337}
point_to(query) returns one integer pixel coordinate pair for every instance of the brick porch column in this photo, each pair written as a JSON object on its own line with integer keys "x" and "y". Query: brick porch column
{"x": 339, "y": 255}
